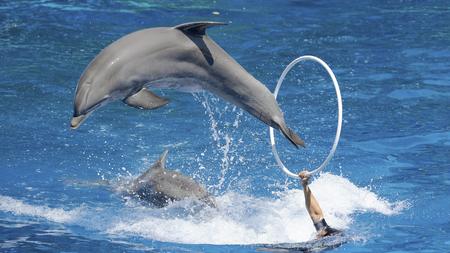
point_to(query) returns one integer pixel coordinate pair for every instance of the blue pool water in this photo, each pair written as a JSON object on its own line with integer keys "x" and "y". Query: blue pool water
{"x": 387, "y": 187}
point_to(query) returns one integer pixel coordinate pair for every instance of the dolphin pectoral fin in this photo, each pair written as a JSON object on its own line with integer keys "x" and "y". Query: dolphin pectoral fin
{"x": 145, "y": 99}
{"x": 292, "y": 136}
{"x": 197, "y": 28}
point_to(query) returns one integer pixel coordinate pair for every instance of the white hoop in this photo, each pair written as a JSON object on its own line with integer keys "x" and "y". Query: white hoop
{"x": 339, "y": 125}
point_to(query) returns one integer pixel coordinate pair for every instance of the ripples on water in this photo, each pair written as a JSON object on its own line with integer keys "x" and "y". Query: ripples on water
{"x": 387, "y": 186}
{"x": 242, "y": 219}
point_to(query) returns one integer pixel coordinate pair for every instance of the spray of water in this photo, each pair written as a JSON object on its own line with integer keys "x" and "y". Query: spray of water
{"x": 223, "y": 134}
{"x": 240, "y": 218}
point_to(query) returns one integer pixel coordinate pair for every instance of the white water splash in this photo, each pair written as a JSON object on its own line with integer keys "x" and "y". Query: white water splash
{"x": 240, "y": 219}
{"x": 18, "y": 207}
{"x": 222, "y": 133}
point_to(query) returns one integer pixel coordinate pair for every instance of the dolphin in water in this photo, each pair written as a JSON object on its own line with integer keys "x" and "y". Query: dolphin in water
{"x": 182, "y": 57}
{"x": 159, "y": 186}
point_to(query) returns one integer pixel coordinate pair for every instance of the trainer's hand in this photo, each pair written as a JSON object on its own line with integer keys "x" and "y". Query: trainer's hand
{"x": 304, "y": 176}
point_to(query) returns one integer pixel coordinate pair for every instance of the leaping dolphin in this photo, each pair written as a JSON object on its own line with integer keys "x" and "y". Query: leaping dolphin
{"x": 182, "y": 57}
{"x": 159, "y": 186}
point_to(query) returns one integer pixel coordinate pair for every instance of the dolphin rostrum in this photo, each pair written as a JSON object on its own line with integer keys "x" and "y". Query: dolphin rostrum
{"x": 159, "y": 186}
{"x": 182, "y": 57}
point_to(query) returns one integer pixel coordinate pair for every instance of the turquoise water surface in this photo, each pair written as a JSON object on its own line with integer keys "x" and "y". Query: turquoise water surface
{"x": 387, "y": 187}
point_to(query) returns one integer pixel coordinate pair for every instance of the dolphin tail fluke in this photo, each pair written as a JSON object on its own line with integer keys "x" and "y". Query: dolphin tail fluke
{"x": 145, "y": 99}
{"x": 292, "y": 136}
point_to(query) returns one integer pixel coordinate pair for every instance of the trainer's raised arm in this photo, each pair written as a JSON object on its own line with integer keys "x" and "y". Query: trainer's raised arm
{"x": 314, "y": 210}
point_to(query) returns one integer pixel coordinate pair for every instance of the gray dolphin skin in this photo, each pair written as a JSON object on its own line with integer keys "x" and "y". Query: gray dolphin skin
{"x": 159, "y": 186}
{"x": 183, "y": 57}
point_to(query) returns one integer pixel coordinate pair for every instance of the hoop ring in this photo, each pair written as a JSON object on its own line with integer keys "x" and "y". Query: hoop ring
{"x": 339, "y": 123}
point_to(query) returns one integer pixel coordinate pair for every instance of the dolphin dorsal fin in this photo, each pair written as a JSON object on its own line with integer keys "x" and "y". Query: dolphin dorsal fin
{"x": 158, "y": 166}
{"x": 161, "y": 163}
{"x": 197, "y": 28}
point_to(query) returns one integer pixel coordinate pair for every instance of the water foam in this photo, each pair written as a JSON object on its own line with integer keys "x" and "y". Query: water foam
{"x": 18, "y": 207}
{"x": 240, "y": 219}
{"x": 243, "y": 219}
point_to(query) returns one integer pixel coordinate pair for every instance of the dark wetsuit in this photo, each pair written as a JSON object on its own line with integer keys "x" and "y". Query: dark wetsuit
{"x": 330, "y": 239}
{"x": 323, "y": 226}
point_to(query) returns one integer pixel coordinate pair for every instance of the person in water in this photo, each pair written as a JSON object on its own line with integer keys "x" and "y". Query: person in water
{"x": 314, "y": 210}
